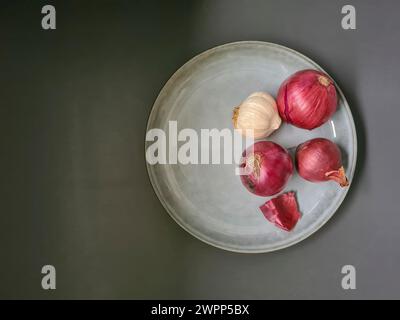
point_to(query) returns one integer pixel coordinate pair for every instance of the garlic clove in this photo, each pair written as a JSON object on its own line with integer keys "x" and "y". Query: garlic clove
{"x": 259, "y": 113}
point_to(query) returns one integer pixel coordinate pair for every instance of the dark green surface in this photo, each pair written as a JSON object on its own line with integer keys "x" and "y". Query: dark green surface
{"x": 75, "y": 192}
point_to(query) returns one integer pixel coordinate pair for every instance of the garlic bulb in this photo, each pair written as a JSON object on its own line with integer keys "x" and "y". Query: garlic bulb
{"x": 259, "y": 113}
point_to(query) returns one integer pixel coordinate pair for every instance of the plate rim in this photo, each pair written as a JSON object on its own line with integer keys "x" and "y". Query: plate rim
{"x": 350, "y": 173}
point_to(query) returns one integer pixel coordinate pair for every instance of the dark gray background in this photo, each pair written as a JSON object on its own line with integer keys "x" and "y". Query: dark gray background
{"x": 74, "y": 187}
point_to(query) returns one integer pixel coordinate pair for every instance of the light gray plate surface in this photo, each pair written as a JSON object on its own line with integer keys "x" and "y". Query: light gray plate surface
{"x": 209, "y": 201}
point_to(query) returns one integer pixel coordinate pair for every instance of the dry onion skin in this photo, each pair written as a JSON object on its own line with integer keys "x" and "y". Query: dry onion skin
{"x": 259, "y": 113}
{"x": 282, "y": 211}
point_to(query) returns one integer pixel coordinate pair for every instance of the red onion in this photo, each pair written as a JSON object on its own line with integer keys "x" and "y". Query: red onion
{"x": 282, "y": 211}
{"x": 320, "y": 160}
{"x": 268, "y": 167}
{"x": 307, "y": 99}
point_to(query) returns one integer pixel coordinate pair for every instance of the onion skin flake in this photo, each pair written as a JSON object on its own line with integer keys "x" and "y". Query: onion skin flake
{"x": 282, "y": 211}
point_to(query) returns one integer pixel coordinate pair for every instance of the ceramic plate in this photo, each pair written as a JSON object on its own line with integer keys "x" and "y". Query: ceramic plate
{"x": 209, "y": 201}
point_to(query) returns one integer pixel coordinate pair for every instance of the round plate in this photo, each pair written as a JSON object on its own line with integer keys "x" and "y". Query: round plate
{"x": 209, "y": 201}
